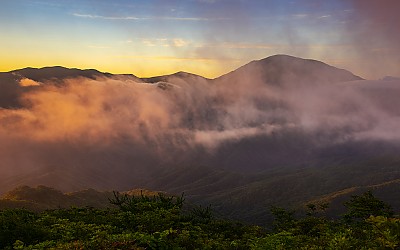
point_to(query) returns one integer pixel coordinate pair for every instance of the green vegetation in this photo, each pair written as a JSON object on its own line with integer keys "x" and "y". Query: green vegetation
{"x": 165, "y": 222}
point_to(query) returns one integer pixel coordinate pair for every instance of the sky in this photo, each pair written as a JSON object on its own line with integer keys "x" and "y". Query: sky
{"x": 206, "y": 37}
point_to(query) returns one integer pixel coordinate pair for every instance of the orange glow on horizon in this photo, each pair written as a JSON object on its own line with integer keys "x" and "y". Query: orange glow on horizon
{"x": 138, "y": 66}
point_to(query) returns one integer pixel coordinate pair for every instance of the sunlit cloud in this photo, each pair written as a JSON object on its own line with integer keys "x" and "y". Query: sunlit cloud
{"x": 152, "y": 42}
{"x": 271, "y": 46}
{"x": 129, "y": 123}
{"x": 173, "y": 58}
{"x": 26, "y": 82}
{"x": 165, "y": 42}
{"x": 126, "y": 41}
{"x": 178, "y": 42}
{"x": 243, "y": 45}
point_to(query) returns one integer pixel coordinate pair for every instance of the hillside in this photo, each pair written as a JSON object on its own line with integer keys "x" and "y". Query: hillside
{"x": 386, "y": 191}
{"x": 238, "y": 195}
{"x": 43, "y": 198}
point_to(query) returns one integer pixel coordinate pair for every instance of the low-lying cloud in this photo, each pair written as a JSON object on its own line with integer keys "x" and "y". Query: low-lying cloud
{"x": 113, "y": 132}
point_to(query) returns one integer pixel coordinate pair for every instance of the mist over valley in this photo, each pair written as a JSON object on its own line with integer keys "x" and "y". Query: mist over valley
{"x": 283, "y": 128}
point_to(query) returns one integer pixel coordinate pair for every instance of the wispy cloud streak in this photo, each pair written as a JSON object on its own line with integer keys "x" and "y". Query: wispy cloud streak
{"x": 135, "y": 18}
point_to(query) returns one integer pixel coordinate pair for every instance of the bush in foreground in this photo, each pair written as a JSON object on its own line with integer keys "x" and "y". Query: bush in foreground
{"x": 161, "y": 222}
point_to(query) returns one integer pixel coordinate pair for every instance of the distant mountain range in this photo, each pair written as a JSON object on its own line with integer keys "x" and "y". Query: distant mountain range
{"x": 274, "y": 69}
{"x": 277, "y": 131}
{"x": 271, "y": 70}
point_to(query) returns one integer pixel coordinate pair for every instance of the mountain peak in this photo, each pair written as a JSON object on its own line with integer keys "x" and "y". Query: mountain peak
{"x": 285, "y": 69}
{"x": 167, "y": 78}
{"x": 282, "y": 58}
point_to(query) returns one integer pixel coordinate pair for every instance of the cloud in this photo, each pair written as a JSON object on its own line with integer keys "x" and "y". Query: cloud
{"x": 207, "y": 1}
{"x": 114, "y": 132}
{"x": 165, "y": 42}
{"x": 324, "y": 16}
{"x": 135, "y": 18}
{"x": 26, "y": 82}
{"x": 94, "y": 110}
{"x": 178, "y": 42}
{"x": 214, "y": 138}
{"x": 105, "y": 17}
{"x": 108, "y": 17}
{"x": 300, "y": 16}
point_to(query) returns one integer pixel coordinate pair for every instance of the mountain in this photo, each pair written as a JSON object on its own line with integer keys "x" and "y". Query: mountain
{"x": 58, "y": 73}
{"x": 279, "y": 70}
{"x": 14, "y": 83}
{"x": 276, "y": 70}
{"x": 171, "y": 77}
{"x": 10, "y": 91}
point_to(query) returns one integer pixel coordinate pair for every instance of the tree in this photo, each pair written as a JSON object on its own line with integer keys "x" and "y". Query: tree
{"x": 284, "y": 219}
{"x": 365, "y": 205}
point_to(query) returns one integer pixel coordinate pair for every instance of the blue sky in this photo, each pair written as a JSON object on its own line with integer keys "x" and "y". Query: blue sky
{"x": 207, "y": 37}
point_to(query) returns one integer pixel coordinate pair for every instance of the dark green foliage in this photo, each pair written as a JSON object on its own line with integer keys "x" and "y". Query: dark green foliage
{"x": 365, "y": 205}
{"x": 145, "y": 203}
{"x": 160, "y": 222}
{"x": 284, "y": 219}
{"x": 19, "y": 224}
{"x": 200, "y": 214}
{"x": 375, "y": 227}
{"x": 314, "y": 210}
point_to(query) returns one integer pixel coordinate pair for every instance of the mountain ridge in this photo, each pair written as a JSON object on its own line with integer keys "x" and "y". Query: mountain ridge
{"x": 57, "y": 72}
{"x": 38, "y": 74}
